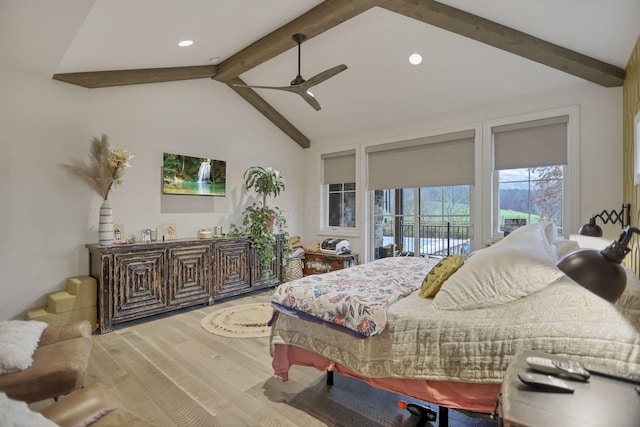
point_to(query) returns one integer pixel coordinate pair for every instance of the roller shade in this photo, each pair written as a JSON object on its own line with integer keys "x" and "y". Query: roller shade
{"x": 339, "y": 168}
{"x": 531, "y": 144}
{"x": 434, "y": 161}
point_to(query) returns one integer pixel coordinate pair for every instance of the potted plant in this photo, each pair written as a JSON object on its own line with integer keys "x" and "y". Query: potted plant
{"x": 260, "y": 222}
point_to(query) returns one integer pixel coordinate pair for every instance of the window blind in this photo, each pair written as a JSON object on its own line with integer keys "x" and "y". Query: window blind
{"x": 433, "y": 161}
{"x": 339, "y": 167}
{"x": 531, "y": 144}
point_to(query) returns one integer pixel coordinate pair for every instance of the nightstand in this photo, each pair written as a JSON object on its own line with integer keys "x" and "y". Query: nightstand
{"x": 320, "y": 262}
{"x": 599, "y": 402}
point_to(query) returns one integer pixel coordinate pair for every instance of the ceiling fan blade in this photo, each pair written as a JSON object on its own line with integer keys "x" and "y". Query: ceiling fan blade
{"x": 327, "y": 74}
{"x": 298, "y": 90}
{"x": 311, "y": 100}
{"x": 287, "y": 88}
{"x": 96, "y": 79}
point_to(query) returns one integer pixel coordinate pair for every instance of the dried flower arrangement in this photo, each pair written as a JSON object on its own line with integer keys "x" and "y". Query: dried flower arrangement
{"x": 105, "y": 168}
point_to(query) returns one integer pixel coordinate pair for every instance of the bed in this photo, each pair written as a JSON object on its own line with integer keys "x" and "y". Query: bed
{"x": 453, "y": 348}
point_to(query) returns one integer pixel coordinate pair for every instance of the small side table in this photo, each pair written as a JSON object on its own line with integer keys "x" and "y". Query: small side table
{"x": 599, "y": 402}
{"x": 320, "y": 262}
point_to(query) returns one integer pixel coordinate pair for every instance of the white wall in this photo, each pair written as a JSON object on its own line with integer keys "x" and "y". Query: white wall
{"x": 600, "y": 151}
{"x": 47, "y": 215}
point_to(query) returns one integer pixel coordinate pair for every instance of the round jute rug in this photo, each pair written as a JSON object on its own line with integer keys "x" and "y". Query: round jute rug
{"x": 241, "y": 321}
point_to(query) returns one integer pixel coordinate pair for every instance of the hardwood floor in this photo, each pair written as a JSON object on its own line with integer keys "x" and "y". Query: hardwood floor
{"x": 171, "y": 372}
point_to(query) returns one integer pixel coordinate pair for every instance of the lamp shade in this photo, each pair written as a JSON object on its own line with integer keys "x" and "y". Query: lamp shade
{"x": 591, "y": 228}
{"x": 601, "y": 275}
{"x": 600, "y": 271}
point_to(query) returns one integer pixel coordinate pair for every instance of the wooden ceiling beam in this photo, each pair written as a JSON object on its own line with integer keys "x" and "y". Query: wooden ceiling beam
{"x": 96, "y": 79}
{"x": 505, "y": 38}
{"x": 321, "y": 18}
{"x": 269, "y": 112}
{"x": 331, "y": 13}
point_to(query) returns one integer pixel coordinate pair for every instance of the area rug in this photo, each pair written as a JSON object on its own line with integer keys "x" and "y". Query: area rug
{"x": 241, "y": 321}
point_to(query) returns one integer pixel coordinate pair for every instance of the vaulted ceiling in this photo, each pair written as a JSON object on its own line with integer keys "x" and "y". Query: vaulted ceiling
{"x": 473, "y": 53}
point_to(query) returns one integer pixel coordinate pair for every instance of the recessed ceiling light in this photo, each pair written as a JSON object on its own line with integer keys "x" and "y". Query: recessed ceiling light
{"x": 415, "y": 59}
{"x": 185, "y": 43}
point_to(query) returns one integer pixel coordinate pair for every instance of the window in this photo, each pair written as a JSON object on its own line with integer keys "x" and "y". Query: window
{"x": 338, "y": 178}
{"x": 529, "y": 163}
{"x": 429, "y": 221}
{"x": 532, "y": 194}
{"x": 342, "y": 205}
{"x": 415, "y": 185}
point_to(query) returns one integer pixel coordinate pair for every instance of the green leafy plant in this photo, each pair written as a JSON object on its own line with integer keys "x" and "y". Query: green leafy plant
{"x": 262, "y": 223}
{"x": 265, "y": 181}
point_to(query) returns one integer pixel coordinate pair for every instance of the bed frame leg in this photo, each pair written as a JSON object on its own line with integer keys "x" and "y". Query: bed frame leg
{"x": 329, "y": 377}
{"x": 443, "y": 416}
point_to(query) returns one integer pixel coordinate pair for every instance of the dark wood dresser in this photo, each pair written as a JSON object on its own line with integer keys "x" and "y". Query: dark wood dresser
{"x": 142, "y": 279}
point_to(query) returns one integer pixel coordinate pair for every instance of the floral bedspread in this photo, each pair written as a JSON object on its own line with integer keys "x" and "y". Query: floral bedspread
{"x": 354, "y": 300}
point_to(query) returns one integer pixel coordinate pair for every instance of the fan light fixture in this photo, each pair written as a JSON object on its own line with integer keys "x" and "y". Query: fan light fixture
{"x": 623, "y": 217}
{"x": 600, "y": 271}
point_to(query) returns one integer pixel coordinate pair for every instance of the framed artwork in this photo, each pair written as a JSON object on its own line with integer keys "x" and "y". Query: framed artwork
{"x": 145, "y": 235}
{"x": 169, "y": 231}
{"x": 198, "y": 176}
{"x": 119, "y": 235}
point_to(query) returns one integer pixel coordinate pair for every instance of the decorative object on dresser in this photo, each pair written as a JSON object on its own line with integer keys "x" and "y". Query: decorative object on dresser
{"x": 105, "y": 170}
{"x": 143, "y": 279}
{"x": 119, "y": 235}
{"x": 320, "y": 262}
{"x": 169, "y": 232}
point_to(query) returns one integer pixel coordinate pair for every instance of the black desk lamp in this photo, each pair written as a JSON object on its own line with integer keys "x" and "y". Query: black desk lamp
{"x": 592, "y": 229}
{"x": 600, "y": 271}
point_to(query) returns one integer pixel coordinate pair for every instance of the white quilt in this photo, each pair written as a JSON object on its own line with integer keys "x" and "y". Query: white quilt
{"x": 476, "y": 345}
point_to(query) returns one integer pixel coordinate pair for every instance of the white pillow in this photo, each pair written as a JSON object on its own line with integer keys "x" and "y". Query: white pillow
{"x": 519, "y": 265}
{"x": 14, "y": 413}
{"x": 589, "y": 242}
{"x": 18, "y": 342}
{"x": 564, "y": 247}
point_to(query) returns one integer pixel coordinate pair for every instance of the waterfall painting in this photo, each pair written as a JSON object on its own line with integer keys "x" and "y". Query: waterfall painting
{"x": 196, "y": 176}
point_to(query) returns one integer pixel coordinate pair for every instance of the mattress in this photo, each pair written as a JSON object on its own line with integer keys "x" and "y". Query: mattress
{"x": 475, "y": 346}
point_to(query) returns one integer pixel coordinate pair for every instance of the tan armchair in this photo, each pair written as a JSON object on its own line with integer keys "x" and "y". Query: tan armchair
{"x": 59, "y": 364}
{"x": 91, "y": 406}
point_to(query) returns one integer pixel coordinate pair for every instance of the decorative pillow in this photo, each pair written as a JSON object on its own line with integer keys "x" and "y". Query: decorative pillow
{"x": 18, "y": 342}
{"x": 439, "y": 273}
{"x": 519, "y": 265}
{"x": 15, "y": 413}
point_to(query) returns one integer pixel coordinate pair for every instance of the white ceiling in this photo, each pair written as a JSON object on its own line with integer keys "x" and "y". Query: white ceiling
{"x": 380, "y": 87}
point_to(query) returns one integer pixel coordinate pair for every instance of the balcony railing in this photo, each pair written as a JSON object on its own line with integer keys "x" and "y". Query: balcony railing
{"x": 439, "y": 239}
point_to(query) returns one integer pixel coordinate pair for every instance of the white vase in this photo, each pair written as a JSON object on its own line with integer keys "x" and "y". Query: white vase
{"x": 105, "y": 226}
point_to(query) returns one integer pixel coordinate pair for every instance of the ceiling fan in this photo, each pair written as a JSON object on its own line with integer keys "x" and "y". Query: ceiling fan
{"x": 301, "y": 86}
